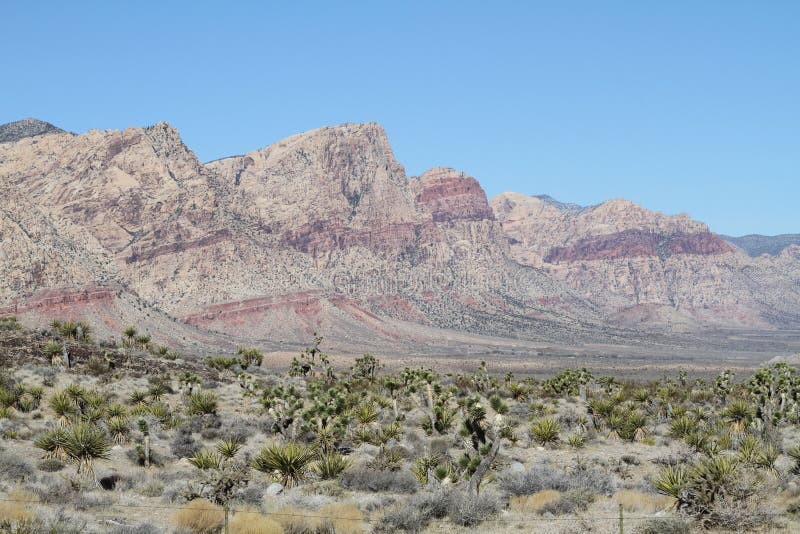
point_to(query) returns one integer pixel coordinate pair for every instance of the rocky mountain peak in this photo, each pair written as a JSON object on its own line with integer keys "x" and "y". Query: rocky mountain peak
{"x": 29, "y": 127}
{"x": 451, "y": 195}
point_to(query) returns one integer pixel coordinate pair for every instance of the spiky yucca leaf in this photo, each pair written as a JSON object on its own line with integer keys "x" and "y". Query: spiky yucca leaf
{"x": 290, "y": 462}
{"x": 545, "y": 431}
{"x": 206, "y": 460}
{"x": 331, "y": 465}
{"x": 672, "y": 480}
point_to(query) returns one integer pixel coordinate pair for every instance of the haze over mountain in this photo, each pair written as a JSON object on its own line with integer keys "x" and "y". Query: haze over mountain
{"x": 324, "y": 232}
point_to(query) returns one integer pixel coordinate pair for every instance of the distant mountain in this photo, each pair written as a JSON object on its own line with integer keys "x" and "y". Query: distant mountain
{"x": 324, "y": 232}
{"x": 755, "y": 245}
{"x": 14, "y": 131}
{"x": 645, "y": 267}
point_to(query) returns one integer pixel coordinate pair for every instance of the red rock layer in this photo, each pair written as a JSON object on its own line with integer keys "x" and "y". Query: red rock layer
{"x": 638, "y": 243}
{"x": 57, "y": 299}
{"x": 450, "y": 195}
{"x": 234, "y": 310}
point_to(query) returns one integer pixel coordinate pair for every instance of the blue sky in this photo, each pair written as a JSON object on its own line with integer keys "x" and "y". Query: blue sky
{"x": 682, "y": 106}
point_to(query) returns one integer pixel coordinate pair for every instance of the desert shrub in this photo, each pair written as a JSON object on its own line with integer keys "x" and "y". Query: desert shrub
{"x": 251, "y": 495}
{"x": 137, "y": 456}
{"x": 200, "y": 517}
{"x": 636, "y": 501}
{"x": 50, "y": 465}
{"x": 342, "y": 518}
{"x": 544, "y": 477}
{"x": 415, "y": 513}
{"x": 87, "y": 500}
{"x": 568, "y": 503}
{"x": 251, "y": 521}
{"x": 296, "y": 520}
{"x": 55, "y": 491}
{"x": 467, "y": 509}
{"x": 665, "y": 525}
{"x": 184, "y": 445}
{"x": 151, "y": 488}
{"x": 14, "y": 468}
{"x": 535, "y": 502}
{"x": 732, "y": 513}
{"x": 363, "y": 479}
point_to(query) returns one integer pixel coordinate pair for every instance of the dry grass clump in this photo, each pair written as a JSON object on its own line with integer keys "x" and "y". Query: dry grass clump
{"x": 15, "y": 513}
{"x": 535, "y": 502}
{"x": 251, "y": 521}
{"x": 637, "y": 501}
{"x": 343, "y": 518}
{"x": 296, "y": 520}
{"x": 200, "y": 517}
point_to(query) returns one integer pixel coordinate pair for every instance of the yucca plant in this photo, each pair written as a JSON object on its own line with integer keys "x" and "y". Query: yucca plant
{"x": 201, "y": 403}
{"x": 160, "y": 411}
{"x": 672, "y": 481}
{"x": 682, "y": 426}
{"x": 116, "y": 410}
{"x": 83, "y": 444}
{"x": 326, "y": 439}
{"x": 156, "y": 391}
{"x": 739, "y": 414}
{"x": 138, "y": 397}
{"x": 423, "y": 466}
{"x": 545, "y": 431}
{"x": 290, "y": 462}
{"x": 206, "y": 460}
{"x": 749, "y": 449}
{"x": 365, "y": 413}
{"x": 709, "y": 476}
{"x": 389, "y": 432}
{"x": 443, "y": 471}
{"x": 331, "y": 465}
{"x": 576, "y": 441}
{"x": 228, "y": 448}
{"x": 767, "y": 457}
{"x": 130, "y": 335}
{"x": 498, "y": 405}
{"x": 52, "y": 443}
{"x": 120, "y": 429}
{"x": 63, "y": 406}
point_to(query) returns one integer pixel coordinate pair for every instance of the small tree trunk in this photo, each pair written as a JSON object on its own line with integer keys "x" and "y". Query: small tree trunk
{"x": 147, "y": 451}
{"x": 483, "y": 467}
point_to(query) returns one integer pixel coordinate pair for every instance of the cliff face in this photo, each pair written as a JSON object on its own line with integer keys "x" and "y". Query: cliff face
{"x": 632, "y": 261}
{"x": 324, "y": 232}
{"x": 321, "y": 231}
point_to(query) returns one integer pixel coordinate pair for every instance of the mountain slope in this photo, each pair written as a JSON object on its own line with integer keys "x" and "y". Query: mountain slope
{"x": 646, "y": 266}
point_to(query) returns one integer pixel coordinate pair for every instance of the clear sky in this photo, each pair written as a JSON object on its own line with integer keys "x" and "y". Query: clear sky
{"x": 682, "y": 106}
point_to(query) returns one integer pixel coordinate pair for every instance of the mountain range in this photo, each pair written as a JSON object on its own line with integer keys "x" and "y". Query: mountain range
{"x": 325, "y": 232}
